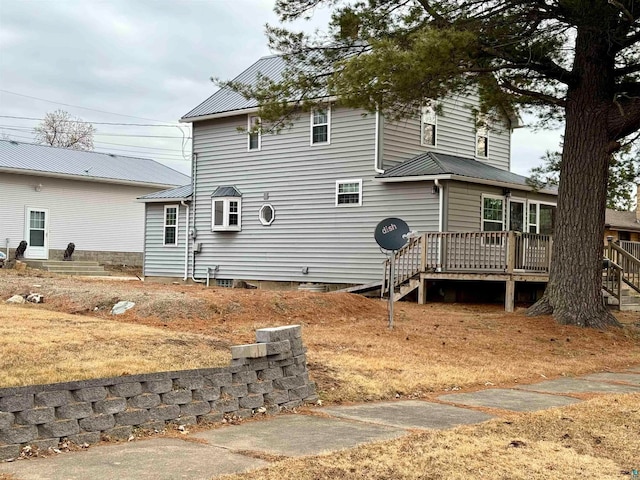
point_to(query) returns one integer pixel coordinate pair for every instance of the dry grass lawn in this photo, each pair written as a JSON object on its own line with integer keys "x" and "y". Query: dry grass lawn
{"x": 598, "y": 439}
{"x": 40, "y": 346}
{"x": 352, "y": 354}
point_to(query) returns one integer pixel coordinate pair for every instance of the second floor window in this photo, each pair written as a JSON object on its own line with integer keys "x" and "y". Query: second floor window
{"x": 482, "y": 137}
{"x": 254, "y": 133}
{"x": 428, "y": 126}
{"x": 320, "y": 119}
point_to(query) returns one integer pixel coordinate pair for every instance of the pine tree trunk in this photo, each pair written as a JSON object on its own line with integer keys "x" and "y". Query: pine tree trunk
{"x": 574, "y": 291}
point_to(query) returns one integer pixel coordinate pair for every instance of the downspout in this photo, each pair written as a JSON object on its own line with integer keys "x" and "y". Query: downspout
{"x": 194, "y": 159}
{"x": 440, "y": 220}
{"x": 186, "y": 243}
{"x": 376, "y": 145}
{"x": 441, "y": 206}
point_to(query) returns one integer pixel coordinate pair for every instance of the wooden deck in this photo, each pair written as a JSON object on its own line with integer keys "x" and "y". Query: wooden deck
{"x": 508, "y": 257}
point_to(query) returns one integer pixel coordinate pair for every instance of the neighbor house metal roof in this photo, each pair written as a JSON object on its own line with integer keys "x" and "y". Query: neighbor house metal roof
{"x": 180, "y": 193}
{"x": 226, "y": 100}
{"x": 438, "y": 164}
{"x": 43, "y": 160}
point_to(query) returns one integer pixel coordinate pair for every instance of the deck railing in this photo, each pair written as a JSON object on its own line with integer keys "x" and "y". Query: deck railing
{"x": 628, "y": 263}
{"x": 632, "y": 247}
{"x": 471, "y": 252}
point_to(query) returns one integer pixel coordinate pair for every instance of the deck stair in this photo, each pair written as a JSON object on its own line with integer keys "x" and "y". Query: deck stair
{"x": 621, "y": 276}
{"x": 78, "y": 268}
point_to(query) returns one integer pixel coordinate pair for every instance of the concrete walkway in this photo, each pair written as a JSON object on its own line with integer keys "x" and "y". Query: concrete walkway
{"x": 207, "y": 454}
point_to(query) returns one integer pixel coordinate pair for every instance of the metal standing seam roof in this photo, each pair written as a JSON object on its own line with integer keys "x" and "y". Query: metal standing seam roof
{"x": 433, "y": 164}
{"x": 180, "y": 193}
{"x": 29, "y": 158}
{"x": 225, "y": 100}
{"x": 225, "y": 191}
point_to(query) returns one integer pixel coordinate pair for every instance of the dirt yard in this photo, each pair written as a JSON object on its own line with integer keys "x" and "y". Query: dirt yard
{"x": 353, "y": 355}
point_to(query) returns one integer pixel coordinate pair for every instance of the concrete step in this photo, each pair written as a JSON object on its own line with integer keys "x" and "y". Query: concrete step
{"x": 69, "y": 268}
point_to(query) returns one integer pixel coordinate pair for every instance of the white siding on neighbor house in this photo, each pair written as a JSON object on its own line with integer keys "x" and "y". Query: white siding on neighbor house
{"x": 159, "y": 259}
{"x": 94, "y": 216}
{"x": 456, "y": 135}
{"x": 335, "y": 242}
{"x": 464, "y": 204}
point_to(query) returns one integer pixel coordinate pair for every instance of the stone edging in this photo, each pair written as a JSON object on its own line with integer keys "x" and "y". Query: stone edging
{"x": 270, "y": 374}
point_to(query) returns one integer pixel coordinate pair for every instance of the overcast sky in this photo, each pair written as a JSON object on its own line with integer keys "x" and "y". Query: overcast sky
{"x": 144, "y": 62}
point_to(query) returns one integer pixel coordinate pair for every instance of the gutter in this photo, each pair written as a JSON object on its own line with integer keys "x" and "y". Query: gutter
{"x": 186, "y": 242}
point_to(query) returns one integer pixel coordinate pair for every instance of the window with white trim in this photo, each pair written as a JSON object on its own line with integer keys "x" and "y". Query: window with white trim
{"x": 428, "y": 125}
{"x": 170, "y": 228}
{"x": 542, "y": 218}
{"x": 254, "y": 133}
{"x": 349, "y": 192}
{"x": 320, "y": 126}
{"x": 267, "y": 214}
{"x": 226, "y": 213}
{"x": 492, "y": 213}
{"x": 482, "y": 137}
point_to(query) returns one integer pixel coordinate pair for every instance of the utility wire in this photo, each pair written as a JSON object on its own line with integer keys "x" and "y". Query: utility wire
{"x": 97, "y": 133}
{"x": 84, "y": 108}
{"x": 101, "y": 123}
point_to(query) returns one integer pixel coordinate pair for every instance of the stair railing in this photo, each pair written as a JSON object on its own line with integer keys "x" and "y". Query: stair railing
{"x": 407, "y": 264}
{"x": 629, "y": 264}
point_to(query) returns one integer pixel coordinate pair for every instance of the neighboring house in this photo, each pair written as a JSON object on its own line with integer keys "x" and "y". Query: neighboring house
{"x": 302, "y": 205}
{"x": 51, "y": 197}
{"x": 624, "y": 226}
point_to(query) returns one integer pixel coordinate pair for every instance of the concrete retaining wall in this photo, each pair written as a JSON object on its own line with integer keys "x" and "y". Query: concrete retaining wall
{"x": 131, "y": 259}
{"x": 271, "y": 373}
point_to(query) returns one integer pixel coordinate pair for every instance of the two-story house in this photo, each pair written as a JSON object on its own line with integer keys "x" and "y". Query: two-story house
{"x": 301, "y": 206}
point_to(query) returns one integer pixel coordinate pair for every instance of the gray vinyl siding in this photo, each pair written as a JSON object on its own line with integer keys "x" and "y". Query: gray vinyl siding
{"x": 163, "y": 260}
{"x": 456, "y": 135}
{"x": 464, "y": 204}
{"x": 335, "y": 242}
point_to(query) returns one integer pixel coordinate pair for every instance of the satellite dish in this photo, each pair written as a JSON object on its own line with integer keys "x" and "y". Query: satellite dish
{"x": 391, "y": 233}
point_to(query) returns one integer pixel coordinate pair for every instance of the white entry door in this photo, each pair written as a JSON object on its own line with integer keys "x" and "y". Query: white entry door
{"x": 37, "y": 233}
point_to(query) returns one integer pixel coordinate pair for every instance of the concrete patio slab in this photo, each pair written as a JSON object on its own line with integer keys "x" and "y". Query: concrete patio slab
{"x": 157, "y": 459}
{"x": 631, "y": 378}
{"x": 294, "y": 435}
{"x": 410, "y": 414}
{"x": 577, "y": 385}
{"x": 507, "y": 399}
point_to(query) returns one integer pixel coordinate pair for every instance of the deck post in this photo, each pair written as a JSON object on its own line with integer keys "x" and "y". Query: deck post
{"x": 511, "y": 251}
{"x": 423, "y": 253}
{"x": 422, "y": 291}
{"x": 509, "y": 295}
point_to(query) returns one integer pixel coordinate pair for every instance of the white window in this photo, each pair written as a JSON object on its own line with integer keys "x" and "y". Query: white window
{"x": 428, "y": 125}
{"x": 492, "y": 214}
{"x": 542, "y": 218}
{"x": 482, "y": 137}
{"x": 254, "y": 133}
{"x": 320, "y": 126}
{"x": 267, "y": 214}
{"x": 349, "y": 192}
{"x": 170, "y": 237}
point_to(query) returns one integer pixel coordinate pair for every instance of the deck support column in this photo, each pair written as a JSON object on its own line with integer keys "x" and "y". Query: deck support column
{"x": 509, "y": 295}
{"x": 422, "y": 292}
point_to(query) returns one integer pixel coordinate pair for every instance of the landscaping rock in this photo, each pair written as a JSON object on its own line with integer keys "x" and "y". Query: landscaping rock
{"x": 121, "y": 307}
{"x": 16, "y": 299}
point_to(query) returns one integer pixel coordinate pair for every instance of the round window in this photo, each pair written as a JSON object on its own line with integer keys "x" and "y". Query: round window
{"x": 267, "y": 214}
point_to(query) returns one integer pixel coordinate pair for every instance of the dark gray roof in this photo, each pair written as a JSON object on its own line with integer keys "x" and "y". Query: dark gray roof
{"x": 434, "y": 164}
{"x": 617, "y": 220}
{"x": 225, "y": 100}
{"x": 28, "y": 158}
{"x": 180, "y": 193}
{"x": 226, "y": 192}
